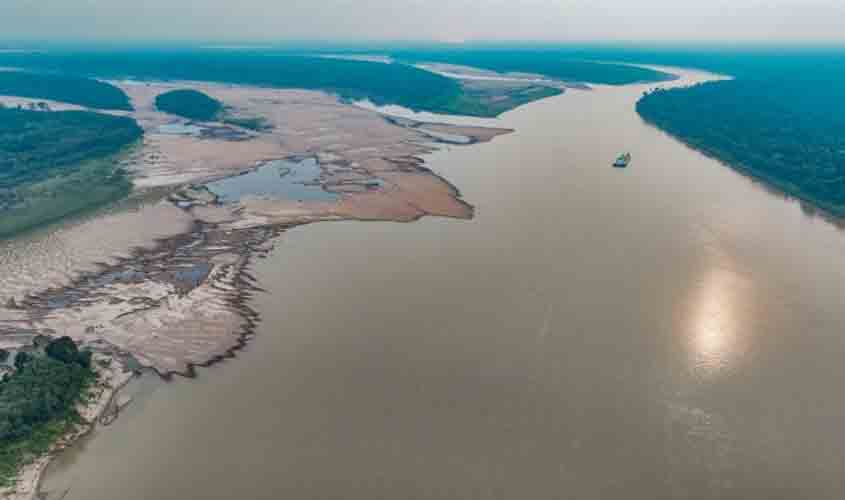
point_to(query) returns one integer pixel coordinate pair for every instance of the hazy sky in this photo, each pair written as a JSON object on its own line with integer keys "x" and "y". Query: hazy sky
{"x": 442, "y": 20}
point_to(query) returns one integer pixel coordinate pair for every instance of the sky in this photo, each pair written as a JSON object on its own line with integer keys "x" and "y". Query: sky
{"x": 776, "y": 21}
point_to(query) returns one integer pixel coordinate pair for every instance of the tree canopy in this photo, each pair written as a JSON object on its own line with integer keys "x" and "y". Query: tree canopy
{"x": 38, "y": 402}
{"x": 56, "y": 163}
{"x": 786, "y": 130}
{"x": 189, "y": 103}
{"x": 70, "y": 89}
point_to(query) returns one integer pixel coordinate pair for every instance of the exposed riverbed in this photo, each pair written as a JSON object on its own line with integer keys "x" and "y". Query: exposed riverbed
{"x": 670, "y": 330}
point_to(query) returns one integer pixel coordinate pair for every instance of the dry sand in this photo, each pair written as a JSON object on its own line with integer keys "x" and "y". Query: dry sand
{"x": 170, "y": 286}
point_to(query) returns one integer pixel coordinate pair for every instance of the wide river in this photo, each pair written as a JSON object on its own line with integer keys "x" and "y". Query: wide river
{"x": 672, "y": 330}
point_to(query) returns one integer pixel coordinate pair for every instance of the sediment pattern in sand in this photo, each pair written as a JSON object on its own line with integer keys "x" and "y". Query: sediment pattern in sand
{"x": 170, "y": 284}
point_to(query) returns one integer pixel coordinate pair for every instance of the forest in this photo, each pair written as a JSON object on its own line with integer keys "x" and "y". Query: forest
{"x": 74, "y": 90}
{"x": 56, "y": 163}
{"x": 381, "y": 83}
{"x": 38, "y": 401}
{"x": 781, "y": 120}
{"x": 190, "y": 104}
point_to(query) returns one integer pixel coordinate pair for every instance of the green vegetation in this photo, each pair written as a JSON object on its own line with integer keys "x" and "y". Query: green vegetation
{"x": 780, "y": 120}
{"x": 195, "y": 105}
{"x": 755, "y": 128}
{"x": 81, "y": 91}
{"x": 56, "y": 163}
{"x": 381, "y": 83}
{"x": 486, "y": 100}
{"x": 38, "y": 402}
{"x": 188, "y": 103}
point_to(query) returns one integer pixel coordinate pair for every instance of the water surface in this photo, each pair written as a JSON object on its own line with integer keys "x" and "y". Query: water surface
{"x": 667, "y": 331}
{"x": 282, "y": 179}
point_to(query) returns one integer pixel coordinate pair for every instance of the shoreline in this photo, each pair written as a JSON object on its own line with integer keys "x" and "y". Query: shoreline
{"x": 832, "y": 214}
{"x": 225, "y": 240}
{"x": 110, "y": 381}
{"x": 174, "y": 292}
{"x": 243, "y": 285}
{"x": 205, "y": 240}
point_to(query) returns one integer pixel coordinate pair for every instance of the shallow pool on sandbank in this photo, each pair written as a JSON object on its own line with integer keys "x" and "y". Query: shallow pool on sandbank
{"x": 297, "y": 179}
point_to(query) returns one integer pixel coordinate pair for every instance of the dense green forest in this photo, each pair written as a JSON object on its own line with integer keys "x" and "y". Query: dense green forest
{"x": 553, "y": 64}
{"x": 754, "y": 127}
{"x": 38, "y": 402}
{"x": 781, "y": 119}
{"x": 56, "y": 163}
{"x": 190, "y": 104}
{"x": 74, "y": 90}
{"x": 382, "y": 83}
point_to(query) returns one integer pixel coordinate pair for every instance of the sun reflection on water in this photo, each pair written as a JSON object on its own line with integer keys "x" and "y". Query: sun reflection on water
{"x": 713, "y": 328}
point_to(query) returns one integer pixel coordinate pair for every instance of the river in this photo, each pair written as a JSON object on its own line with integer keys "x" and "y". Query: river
{"x": 669, "y": 330}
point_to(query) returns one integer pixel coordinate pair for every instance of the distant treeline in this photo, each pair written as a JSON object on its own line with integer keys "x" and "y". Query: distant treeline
{"x": 190, "y": 104}
{"x": 396, "y": 83}
{"x": 382, "y": 83}
{"x": 74, "y": 90}
{"x": 56, "y": 163}
{"x": 551, "y": 63}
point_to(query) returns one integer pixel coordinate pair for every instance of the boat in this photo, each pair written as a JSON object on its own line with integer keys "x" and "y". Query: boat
{"x": 623, "y": 160}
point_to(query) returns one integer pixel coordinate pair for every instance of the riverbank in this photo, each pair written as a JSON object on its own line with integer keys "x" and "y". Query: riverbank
{"x": 180, "y": 299}
{"x": 111, "y": 377}
{"x": 169, "y": 282}
{"x": 608, "y": 351}
{"x": 755, "y": 124}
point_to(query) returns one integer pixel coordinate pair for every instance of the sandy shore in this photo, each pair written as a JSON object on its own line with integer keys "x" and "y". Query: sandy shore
{"x": 168, "y": 282}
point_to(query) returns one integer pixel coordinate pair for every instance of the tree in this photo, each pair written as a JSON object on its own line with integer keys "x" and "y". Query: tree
{"x": 21, "y": 359}
{"x": 63, "y": 349}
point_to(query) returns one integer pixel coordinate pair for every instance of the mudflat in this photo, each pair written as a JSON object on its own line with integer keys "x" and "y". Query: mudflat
{"x": 168, "y": 281}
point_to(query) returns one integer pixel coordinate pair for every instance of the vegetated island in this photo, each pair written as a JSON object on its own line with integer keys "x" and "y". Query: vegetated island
{"x": 189, "y": 103}
{"x": 53, "y": 164}
{"x": 195, "y": 105}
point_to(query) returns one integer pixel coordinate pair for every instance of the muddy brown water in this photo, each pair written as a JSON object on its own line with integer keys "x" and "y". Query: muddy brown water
{"x": 672, "y": 330}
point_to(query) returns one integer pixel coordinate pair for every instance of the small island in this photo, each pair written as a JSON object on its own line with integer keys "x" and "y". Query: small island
{"x": 190, "y": 104}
